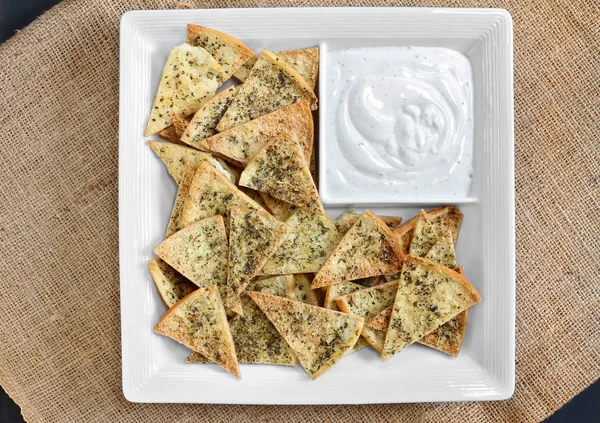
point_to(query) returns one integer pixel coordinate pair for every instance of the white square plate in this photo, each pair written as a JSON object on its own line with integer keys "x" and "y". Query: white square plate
{"x": 153, "y": 368}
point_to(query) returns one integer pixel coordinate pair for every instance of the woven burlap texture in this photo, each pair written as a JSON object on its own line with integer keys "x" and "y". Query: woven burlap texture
{"x": 59, "y": 283}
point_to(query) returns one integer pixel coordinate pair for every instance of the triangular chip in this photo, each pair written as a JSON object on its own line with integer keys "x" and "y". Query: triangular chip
{"x": 271, "y": 85}
{"x": 175, "y": 157}
{"x": 367, "y": 303}
{"x": 230, "y": 52}
{"x": 425, "y": 235}
{"x": 256, "y": 339}
{"x": 278, "y": 208}
{"x": 199, "y": 322}
{"x": 305, "y": 62}
{"x": 339, "y": 290}
{"x": 442, "y": 251}
{"x": 428, "y": 296}
{"x": 207, "y": 117}
{"x": 184, "y": 187}
{"x": 360, "y": 344}
{"x": 253, "y": 237}
{"x": 368, "y": 249}
{"x": 448, "y": 338}
{"x": 302, "y": 291}
{"x": 188, "y": 79}
{"x": 211, "y": 193}
{"x": 280, "y": 170}
{"x": 241, "y": 143}
{"x": 319, "y": 337}
{"x": 199, "y": 252}
{"x": 306, "y": 248}
{"x": 445, "y": 218}
{"x": 172, "y": 285}
{"x": 347, "y": 219}
{"x": 255, "y": 195}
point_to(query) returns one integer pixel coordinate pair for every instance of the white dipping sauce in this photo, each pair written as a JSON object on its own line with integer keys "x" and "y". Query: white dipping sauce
{"x": 398, "y": 123}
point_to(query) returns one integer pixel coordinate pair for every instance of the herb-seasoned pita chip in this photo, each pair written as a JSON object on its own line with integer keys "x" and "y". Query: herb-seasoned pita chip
{"x": 188, "y": 79}
{"x": 199, "y": 322}
{"x": 367, "y": 303}
{"x": 305, "y": 249}
{"x": 280, "y": 170}
{"x": 305, "y": 62}
{"x": 241, "y": 143}
{"x": 445, "y": 218}
{"x": 349, "y": 218}
{"x": 175, "y": 157}
{"x": 230, "y": 52}
{"x": 319, "y": 337}
{"x": 428, "y": 296}
{"x": 442, "y": 251}
{"x": 172, "y": 285}
{"x": 210, "y": 193}
{"x": 368, "y": 249}
{"x": 256, "y": 339}
{"x": 339, "y": 290}
{"x": 255, "y": 195}
{"x": 199, "y": 252}
{"x": 278, "y": 208}
{"x": 205, "y": 120}
{"x": 448, "y": 338}
{"x": 302, "y": 291}
{"x": 182, "y": 192}
{"x": 425, "y": 235}
{"x": 253, "y": 237}
{"x": 271, "y": 85}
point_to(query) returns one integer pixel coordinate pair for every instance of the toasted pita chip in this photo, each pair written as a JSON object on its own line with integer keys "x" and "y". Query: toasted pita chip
{"x": 425, "y": 235}
{"x": 205, "y": 120}
{"x": 278, "y": 208}
{"x": 230, "y": 52}
{"x": 188, "y": 79}
{"x": 211, "y": 193}
{"x": 319, "y": 337}
{"x": 175, "y": 157}
{"x": 302, "y": 291}
{"x": 305, "y": 249}
{"x": 279, "y": 169}
{"x": 445, "y": 218}
{"x": 305, "y": 62}
{"x": 172, "y": 285}
{"x": 367, "y": 303}
{"x": 447, "y": 338}
{"x": 241, "y": 143}
{"x": 346, "y": 220}
{"x": 170, "y": 134}
{"x": 254, "y": 236}
{"x": 256, "y": 339}
{"x": 271, "y": 85}
{"x": 199, "y": 322}
{"x": 360, "y": 344}
{"x": 442, "y": 251}
{"x": 255, "y": 195}
{"x": 184, "y": 187}
{"x": 368, "y": 249}
{"x": 339, "y": 290}
{"x": 428, "y": 296}
{"x": 199, "y": 252}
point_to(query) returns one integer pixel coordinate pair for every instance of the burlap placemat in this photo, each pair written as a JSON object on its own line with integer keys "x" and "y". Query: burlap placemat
{"x": 59, "y": 283}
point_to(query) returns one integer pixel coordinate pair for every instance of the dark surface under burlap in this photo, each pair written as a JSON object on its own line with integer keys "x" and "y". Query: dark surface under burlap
{"x": 59, "y": 282}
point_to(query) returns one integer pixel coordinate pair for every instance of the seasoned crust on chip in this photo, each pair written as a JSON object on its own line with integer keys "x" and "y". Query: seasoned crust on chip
{"x": 368, "y": 249}
{"x": 319, "y": 337}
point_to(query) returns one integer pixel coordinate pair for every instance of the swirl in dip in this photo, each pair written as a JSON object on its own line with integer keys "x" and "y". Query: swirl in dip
{"x": 398, "y": 123}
